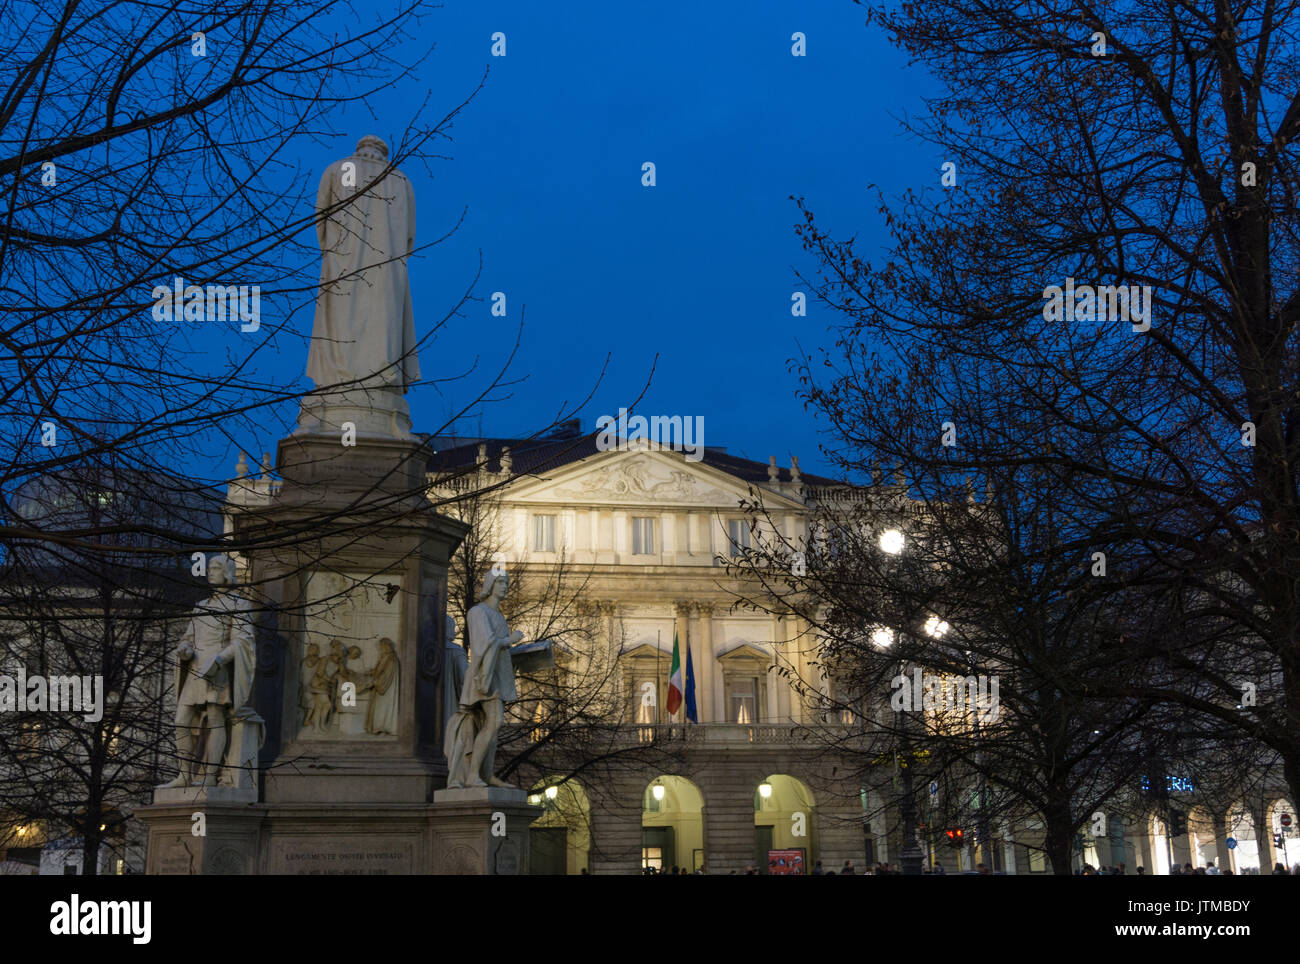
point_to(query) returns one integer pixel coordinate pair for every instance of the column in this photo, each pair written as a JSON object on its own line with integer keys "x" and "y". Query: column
{"x": 717, "y": 707}
{"x": 777, "y": 682}
{"x": 772, "y": 712}
{"x": 622, "y": 538}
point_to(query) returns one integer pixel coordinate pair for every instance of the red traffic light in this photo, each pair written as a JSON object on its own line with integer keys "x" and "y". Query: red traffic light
{"x": 955, "y": 837}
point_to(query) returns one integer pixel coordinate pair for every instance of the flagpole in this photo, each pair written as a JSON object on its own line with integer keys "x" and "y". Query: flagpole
{"x": 659, "y": 639}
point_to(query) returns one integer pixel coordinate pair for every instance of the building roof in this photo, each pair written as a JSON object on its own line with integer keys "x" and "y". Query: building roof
{"x": 540, "y": 455}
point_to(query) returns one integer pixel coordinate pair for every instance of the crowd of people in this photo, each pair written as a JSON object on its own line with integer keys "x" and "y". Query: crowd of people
{"x": 885, "y": 870}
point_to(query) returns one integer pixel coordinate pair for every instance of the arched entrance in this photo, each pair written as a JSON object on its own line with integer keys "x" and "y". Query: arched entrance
{"x": 1241, "y": 827}
{"x": 672, "y": 825}
{"x": 784, "y": 841}
{"x": 560, "y": 839}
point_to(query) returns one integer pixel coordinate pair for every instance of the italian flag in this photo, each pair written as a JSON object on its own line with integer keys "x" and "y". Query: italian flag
{"x": 675, "y": 680}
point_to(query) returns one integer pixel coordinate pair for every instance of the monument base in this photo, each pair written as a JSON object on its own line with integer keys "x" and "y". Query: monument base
{"x": 483, "y": 832}
{"x": 204, "y": 795}
{"x": 377, "y": 412}
{"x": 201, "y": 836}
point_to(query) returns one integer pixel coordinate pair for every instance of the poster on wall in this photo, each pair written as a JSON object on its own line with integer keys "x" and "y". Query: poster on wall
{"x": 785, "y": 861}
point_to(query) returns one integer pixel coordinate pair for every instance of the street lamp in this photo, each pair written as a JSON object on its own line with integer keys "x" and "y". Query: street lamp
{"x": 892, "y": 541}
{"x": 882, "y": 637}
{"x": 765, "y": 790}
{"x": 936, "y": 628}
{"x": 552, "y": 793}
{"x": 658, "y": 791}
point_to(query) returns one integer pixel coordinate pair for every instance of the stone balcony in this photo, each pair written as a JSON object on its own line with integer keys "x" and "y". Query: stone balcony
{"x": 710, "y": 735}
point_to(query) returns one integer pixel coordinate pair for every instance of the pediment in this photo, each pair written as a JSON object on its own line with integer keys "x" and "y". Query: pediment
{"x": 744, "y": 651}
{"x": 646, "y": 651}
{"x": 640, "y": 478}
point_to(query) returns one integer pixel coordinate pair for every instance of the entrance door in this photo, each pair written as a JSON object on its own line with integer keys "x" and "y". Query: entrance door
{"x": 547, "y": 846}
{"x": 762, "y": 844}
{"x": 657, "y": 848}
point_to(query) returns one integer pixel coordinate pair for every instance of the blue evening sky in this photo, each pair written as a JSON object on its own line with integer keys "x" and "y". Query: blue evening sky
{"x": 698, "y": 269}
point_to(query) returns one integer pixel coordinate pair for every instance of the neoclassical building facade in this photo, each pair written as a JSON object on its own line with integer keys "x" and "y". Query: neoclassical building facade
{"x": 767, "y": 773}
{"x": 765, "y": 768}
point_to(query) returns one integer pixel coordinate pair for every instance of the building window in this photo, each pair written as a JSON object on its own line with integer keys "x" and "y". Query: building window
{"x": 738, "y": 536}
{"x": 652, "y": 857}
{"x": 543, "y": 533}
{"x": 643, "y": 536}
{"x": 646, "y": 697}
{"x": 742, "y": 700}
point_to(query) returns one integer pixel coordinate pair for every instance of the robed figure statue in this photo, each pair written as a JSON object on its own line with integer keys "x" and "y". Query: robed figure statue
{"x": 215, "y": 663}
{"x": 470, "y": 742}
{"x": 364, "y": 330}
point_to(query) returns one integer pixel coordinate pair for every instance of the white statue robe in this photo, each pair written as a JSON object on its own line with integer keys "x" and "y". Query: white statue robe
{"x": 364, "y": 326}
{"x": 491, "y": 674}
{"x": 222, "y": 626}
{"x": 381, "y": 715}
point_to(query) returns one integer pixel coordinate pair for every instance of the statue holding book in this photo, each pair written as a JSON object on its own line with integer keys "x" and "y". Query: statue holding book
{"x": 470, "y": 740}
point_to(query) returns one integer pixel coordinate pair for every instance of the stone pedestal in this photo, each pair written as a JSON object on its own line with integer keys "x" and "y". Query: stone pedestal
{"x": 361, "y": 558}
{"x": 346, "y": 564}
{"x": 379, "y": 412}
{"x": 202, "y": 830}
{"x": 482, "y": 831}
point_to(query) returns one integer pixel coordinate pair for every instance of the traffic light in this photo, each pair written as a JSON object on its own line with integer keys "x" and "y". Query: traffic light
{"x": 1177, "y": 823}
{"x": 956, "y": 837}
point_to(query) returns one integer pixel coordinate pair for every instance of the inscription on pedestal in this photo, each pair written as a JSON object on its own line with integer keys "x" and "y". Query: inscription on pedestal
{"x": 508, "y": 858}
{"x": 173, "y": 857}
{"x": 335, "y": 855}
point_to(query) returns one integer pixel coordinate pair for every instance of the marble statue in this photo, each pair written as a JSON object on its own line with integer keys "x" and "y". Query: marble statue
{"x": 470, "y": 741}
{"x": 382, "y": 685}
{"x": 364, "y": 329}
{"x": 214, "y": 679}
{"x": 307, "y": 701}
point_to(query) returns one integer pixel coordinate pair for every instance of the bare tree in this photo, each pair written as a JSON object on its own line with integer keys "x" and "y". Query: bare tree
{"x": 1111, "y": 242}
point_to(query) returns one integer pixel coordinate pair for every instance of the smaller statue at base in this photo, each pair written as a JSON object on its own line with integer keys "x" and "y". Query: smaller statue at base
{"x": 470, "y": 741}
{"x": 214, "y": 679}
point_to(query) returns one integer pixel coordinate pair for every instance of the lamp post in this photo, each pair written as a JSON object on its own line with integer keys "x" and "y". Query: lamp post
{"x": 892, "y": 542}
{"x": 911, "y": 857}
{"x": 986, "y": 839}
